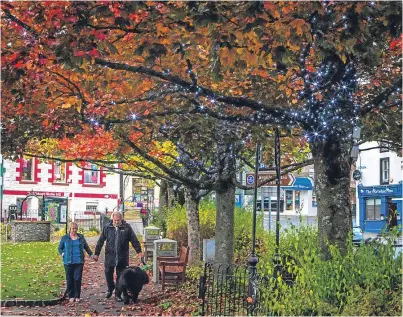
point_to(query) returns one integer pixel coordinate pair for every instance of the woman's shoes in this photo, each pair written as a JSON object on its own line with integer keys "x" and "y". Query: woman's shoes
{"x": 71, "y": 300}
{"x": 77, "y": 300}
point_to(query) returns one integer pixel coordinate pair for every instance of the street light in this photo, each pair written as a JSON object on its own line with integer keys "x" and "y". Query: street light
{"x": 252, "y": 261}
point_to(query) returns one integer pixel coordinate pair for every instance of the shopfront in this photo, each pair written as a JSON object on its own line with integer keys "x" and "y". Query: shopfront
{"x": 373, "y": 206}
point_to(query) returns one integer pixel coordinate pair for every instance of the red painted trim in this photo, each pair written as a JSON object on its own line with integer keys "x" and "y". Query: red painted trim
{"x": 52, "y": 173}
{"x": 37, "y": 170}
{"x": 69, "y": 172}
{"x": 102, "y": 178}
{"x": 18, "y": 170}
{"x": 60, "y": 194}
{"x": 85, "y": 195}
{"x": 81, "y": 176}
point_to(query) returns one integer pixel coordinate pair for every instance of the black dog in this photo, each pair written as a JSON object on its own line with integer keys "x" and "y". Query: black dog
{"x": 131, "y": 282}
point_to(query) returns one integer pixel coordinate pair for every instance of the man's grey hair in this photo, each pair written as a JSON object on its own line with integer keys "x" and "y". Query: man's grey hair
{"x": 117, "y": 213}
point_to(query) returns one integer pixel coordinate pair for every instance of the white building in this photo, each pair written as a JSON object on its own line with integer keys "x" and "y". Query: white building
{"x": 64, "y": 190}
{"x": 379, "y": 178}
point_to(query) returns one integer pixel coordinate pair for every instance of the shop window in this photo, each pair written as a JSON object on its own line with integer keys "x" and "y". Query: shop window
{"x": 91, "y": 174}
{"x": 385, "y": 171}
{"x": 288, "y": 199}
{"x": 297, "y": 200}
{"x": 373, "y": 209}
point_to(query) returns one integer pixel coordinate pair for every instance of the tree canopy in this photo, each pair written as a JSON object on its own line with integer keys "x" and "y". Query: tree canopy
{"x": 111, "y": 73}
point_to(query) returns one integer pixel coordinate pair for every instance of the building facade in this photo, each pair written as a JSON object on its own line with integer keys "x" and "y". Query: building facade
{"x": 57, "y": 190}
{"x": 379, "y": 177}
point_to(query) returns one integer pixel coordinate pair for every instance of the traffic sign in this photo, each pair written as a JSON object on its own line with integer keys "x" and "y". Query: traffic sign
{"x": 250, "y": 179}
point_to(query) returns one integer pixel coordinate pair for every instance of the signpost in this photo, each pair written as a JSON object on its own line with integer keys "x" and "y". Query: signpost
{"x": 286, "y": 179}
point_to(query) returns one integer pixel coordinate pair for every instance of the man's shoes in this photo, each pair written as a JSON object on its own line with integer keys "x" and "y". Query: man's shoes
{"x": 109, "y": 294}
{"x": 118, "y": 299}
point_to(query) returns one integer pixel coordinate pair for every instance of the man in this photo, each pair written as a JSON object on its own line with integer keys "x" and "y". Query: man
{"x": 117, "y": 234}
{"x": 392, "y": 214}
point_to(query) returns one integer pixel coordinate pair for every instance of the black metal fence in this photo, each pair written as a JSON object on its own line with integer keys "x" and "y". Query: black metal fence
{"x": 85, "y": 219}
{"x": 232, "y": 291}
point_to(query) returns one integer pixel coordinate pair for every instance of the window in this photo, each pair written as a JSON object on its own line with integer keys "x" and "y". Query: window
{"x": 383, "y": 147}
{"x": 384, "y": 171}
{"x": 59, "y": 172}
{"x": 373, "y": 209}
{"x": 27, "y": 173}
{"x": 92, "y": 207}
{"x": 288, "y": 199}
{"x": 297, "y": 200}
{"x": 91, "y": 174}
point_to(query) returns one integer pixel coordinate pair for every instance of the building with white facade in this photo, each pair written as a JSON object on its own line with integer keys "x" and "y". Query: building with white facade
{"x": 378, "y": 177}
{"x": 60, "y": 191}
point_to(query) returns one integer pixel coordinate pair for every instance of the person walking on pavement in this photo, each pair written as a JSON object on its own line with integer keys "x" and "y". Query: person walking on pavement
{"x": 117, "y": 235}
{"x": 71, "y": 248}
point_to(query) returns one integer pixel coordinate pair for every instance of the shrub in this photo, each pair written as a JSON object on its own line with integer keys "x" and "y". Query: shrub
{"x": 95, "y": 229}
{"x": 5, "y": 230}
{"x": 329, "y": 287}
{"x": 158, "y": 219}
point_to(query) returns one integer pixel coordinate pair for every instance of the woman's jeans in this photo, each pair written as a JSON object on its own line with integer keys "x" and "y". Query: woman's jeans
{"x": 74, "y": 274}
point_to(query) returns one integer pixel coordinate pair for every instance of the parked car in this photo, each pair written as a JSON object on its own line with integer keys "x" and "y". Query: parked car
{"x": 358, "y": 237}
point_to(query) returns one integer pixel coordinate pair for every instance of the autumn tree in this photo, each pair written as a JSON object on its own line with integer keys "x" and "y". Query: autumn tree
{"x": 321, "y": 67}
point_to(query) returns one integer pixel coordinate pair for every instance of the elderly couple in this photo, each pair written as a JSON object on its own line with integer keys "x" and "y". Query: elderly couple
{"x": 117, "y": 235}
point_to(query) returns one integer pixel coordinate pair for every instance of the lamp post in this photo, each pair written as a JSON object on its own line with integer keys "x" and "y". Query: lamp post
{"x": 252, "y": 261}
{"x": 278, "y": 179}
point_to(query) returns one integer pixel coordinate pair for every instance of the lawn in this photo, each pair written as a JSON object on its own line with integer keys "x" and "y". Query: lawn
{"x": 31, "y": 271}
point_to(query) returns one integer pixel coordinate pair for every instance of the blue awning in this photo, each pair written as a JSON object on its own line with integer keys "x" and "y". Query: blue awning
{"x": 301, "y": 183}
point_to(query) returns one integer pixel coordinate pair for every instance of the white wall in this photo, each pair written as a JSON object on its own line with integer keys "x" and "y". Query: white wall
{"x": 107, "y": 198}
{"x": 368, "y": 163}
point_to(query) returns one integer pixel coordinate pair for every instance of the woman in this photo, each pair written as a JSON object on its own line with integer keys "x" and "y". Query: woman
{"x": 71, "y": 248}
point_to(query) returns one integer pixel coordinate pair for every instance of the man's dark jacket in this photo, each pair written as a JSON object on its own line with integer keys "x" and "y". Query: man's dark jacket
{"x": 117, "y": 240}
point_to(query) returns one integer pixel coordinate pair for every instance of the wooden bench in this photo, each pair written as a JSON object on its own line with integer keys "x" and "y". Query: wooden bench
{"x": 173, "y": 269}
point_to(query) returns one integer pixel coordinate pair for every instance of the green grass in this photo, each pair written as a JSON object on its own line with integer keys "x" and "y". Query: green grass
{"x": 31, "y": 271}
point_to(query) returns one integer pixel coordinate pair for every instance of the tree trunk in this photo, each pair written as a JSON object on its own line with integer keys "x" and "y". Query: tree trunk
{"x": 332, "y": 185}
{"x": 224, "y": 234}
{"x": 171, "y": 195}
{"x": 192, "y": 209}
{"x": 163, "y": 194}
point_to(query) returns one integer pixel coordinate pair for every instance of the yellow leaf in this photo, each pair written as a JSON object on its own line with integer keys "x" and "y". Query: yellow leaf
{"x": 162, "y": 29}
{"x": 344, "y": 58}
{"x": 270, "y": 60}
{"x": 66, "y": 105}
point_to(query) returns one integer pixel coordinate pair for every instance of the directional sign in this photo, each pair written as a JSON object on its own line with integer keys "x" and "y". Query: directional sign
{"x": 250, "y": 179}
{"x": 286, "y": 180}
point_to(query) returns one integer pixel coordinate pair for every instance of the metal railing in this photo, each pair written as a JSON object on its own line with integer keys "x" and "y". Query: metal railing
{"x": 232, "y": 291}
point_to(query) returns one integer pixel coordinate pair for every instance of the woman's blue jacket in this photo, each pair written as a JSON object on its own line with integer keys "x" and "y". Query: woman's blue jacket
{"x": 66, "y": 248}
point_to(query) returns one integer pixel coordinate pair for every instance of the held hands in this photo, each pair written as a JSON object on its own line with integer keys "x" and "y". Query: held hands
{"x": 95, "y": 258}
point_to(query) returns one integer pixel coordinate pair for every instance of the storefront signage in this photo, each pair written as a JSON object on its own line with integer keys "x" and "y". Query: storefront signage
{"x": 376, "y": 190}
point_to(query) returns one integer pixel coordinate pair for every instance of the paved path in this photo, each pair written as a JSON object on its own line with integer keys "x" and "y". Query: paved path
{"x": 93, "y": 296}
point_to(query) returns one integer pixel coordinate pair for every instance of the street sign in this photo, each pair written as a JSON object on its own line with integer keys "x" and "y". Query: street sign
{"x": 250, "y": 179}
{"x": 357, "y": 175}
{"x": 286, "y": 180}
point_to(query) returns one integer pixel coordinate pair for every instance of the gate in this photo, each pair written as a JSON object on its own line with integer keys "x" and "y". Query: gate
{"x": 232, "y": 291}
